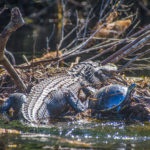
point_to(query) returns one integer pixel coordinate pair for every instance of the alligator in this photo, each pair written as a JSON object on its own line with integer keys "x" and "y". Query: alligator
{"x": 54, "y": 96}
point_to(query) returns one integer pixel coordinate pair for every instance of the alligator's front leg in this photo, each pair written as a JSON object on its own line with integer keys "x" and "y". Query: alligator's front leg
{"x": 15, "y": 102}
{"x": 74, "y": 101}
{"x": 89, "y": 91}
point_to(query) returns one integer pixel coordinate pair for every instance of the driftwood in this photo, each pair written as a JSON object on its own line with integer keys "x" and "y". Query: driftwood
{"x": 15, "y": 23}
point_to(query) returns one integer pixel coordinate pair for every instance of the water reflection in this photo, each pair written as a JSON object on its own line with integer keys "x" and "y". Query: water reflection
{"x": 80, "y": 134}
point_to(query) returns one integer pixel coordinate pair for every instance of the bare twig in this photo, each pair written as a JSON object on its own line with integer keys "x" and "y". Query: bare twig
{"x": 48, "y": 39}
{"x": 26, "y": 60}
{"x": 33, "y": 64}
{"x": 137, "y": 67}
{"x": 109, "y": 49}
{"x": 15, "y": 23}
{"x": 86, "y": 23}
{"x": 38, "y": 14}
{"x": 144, "y": 7}
{"x": 43, "y": 11}
{"x": 3, "y": 10}
{"x": 130, "y": 48}
{"x": 65, "y": 56}
{"x": 132, "y": 60}
{"x": 76, "y": 3}
{"x": 66, "y": 36}
{"x": 13, "y": 61}
{"x": 146, "y": 28}
{"x": 101, "y": 8}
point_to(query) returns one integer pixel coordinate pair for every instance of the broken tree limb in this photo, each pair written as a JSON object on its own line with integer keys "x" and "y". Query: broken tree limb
{"x": 15, "y": 23}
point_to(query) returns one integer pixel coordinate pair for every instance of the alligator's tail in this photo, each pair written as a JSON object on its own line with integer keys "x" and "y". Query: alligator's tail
{"x": 15, "y": 102}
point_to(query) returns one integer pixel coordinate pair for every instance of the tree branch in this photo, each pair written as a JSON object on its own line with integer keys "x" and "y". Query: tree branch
{"x": 16, "y": 22}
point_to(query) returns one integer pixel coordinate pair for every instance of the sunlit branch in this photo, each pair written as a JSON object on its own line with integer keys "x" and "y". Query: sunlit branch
{"x": 133, "y": 59}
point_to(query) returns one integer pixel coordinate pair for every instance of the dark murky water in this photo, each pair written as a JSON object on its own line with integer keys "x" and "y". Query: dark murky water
{"x": 80, "y": 134}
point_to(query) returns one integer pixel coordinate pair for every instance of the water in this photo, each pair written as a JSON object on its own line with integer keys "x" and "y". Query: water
{"x": 91, "y": 134}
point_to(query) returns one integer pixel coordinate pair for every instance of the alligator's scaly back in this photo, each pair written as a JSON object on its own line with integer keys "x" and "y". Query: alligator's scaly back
{"x": 80, "y": 68}
{"x": 44, "y": 91}
{"x": 88, "y": 73}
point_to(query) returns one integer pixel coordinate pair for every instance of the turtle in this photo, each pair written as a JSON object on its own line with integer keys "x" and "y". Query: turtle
{"x": 111, "y": 98}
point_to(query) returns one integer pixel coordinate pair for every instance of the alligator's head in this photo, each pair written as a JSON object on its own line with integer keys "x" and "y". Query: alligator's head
{"x": 105, "y": 72}
{"x": 93, "y": 72}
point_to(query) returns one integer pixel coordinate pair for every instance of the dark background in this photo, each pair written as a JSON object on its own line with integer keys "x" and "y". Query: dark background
{"x": 41, "y": 15}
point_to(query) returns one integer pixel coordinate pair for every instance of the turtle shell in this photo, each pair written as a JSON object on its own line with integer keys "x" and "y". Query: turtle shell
{"x": 112, "y": 97}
